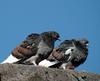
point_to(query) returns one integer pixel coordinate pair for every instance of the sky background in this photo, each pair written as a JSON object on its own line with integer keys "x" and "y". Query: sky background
{"x": 71, "y": 18}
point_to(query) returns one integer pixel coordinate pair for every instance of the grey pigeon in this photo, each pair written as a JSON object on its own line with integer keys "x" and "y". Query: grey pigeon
{"x": 69, "y": 55}
{"x": 22, "y": 51}
{"x": 42, "y": 47}
{"x": 25, "y": 48}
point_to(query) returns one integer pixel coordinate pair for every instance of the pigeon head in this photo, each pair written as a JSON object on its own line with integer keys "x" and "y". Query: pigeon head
{"x": 84, "y": 42}
{"x": 54, "y": 35}
{"x": 81, "y": 43}
{"x": 50, "y": 35}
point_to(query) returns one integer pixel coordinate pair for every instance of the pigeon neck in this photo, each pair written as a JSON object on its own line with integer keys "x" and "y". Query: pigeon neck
{"x": 49, "y": 41}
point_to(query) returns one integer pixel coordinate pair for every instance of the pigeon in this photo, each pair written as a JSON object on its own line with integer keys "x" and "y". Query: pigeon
{"x": 79, "y": 54}
{"x": 54, "y": 60}
{"x": 23, "y": 50}
{"x": 42, "y": 48}
{"x": 69, "y": 55}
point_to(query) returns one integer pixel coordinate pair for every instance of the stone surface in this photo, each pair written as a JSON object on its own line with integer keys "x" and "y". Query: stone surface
{"x": 15, "y": 72}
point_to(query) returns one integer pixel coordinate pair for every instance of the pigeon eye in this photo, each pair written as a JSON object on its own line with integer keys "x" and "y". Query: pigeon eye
{"x": 72, "y": 49}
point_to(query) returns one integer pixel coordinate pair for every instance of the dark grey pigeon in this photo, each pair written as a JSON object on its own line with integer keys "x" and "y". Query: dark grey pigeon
{"x": 41, "y": 48}
{"x": 23, "y": 50}
{"x": 69, "y": 55}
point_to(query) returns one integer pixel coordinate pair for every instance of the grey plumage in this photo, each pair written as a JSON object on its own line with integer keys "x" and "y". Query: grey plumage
{"x": 25, "y": 48}
{"x": 42, "y": 47}
{"x": 72, "y": 52}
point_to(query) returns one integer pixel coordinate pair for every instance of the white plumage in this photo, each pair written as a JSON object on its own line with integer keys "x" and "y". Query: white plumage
{"x": 10, "y": 59}
{"x": 47, "y": 63}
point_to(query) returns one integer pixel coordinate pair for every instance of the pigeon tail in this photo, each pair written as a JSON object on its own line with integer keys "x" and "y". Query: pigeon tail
{"x": 10, "y": 59}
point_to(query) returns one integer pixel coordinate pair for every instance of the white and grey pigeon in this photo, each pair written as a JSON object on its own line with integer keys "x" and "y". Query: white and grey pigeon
{"x": 23, "y": 50}
{"x": 42, "y": 48}
{"x": 69, "y": 55}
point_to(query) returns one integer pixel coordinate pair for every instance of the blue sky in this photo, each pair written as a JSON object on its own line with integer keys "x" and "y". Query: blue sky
{"x": 71, "y": 18}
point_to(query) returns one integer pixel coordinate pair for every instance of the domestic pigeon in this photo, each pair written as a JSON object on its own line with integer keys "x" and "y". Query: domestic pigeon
{"x": 42, "y": 48}
{"x": 23, "y": 50}
{"x": 69, "y": 55}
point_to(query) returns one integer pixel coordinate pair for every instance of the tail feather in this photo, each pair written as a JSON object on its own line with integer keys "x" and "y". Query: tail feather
{"x": 10, "y": 59}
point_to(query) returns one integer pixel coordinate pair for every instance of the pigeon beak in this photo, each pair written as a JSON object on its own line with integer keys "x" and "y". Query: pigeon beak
{"x": 87, "y": 44}
{"x": 58, "y": 39}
